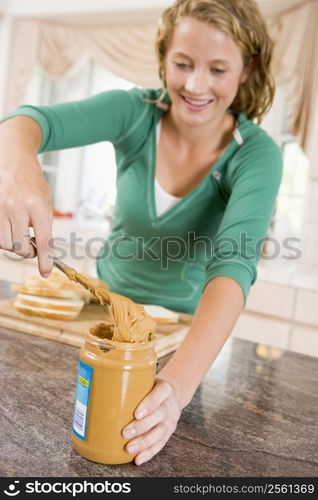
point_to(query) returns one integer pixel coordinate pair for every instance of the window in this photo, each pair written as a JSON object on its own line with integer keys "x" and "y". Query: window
{"x": 288, "y": 214}
{"x": 98, "y": 181}
{"x": 82, "y": 179}
{"x": 290, "y": 203}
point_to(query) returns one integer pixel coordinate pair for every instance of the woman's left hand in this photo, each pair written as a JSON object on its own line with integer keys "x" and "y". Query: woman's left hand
{"x": 156, "y": 418}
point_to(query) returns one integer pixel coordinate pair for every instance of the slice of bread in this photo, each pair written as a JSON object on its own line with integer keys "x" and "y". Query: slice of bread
{"x": 48, "y": 307}
{"x": 161, "y": 314}
{"x": 48, "y": 292}
{"x": 57, "y": 285}
{"x": 55, "y": 297}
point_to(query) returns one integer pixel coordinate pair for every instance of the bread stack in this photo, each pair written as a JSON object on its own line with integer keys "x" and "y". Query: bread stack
{"x": 55, "y": 297}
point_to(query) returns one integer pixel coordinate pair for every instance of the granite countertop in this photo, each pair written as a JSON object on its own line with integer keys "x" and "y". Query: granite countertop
{"x": 250, "y": 416}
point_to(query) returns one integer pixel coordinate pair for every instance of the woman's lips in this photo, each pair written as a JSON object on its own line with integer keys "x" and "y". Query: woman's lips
{"x": 196, "y": 104}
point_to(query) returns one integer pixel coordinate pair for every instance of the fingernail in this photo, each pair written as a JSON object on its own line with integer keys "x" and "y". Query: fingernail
{"x": 141, "y": 413}
{"x": 129, "y": 432}
{"x": 133, "y": 448}
{"x": 140, "y": 461}
{"x": 45, "y": 275}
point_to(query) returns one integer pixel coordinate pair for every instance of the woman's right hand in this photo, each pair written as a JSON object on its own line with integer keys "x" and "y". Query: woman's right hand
{"x": 25, "y": 201}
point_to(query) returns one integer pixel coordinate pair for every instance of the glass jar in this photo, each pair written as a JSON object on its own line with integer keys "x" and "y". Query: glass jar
{"x": 113, "y": 377}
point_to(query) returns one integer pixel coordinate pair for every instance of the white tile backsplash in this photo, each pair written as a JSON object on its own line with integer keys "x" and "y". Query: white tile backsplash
{"x": 306, "y": 310}
{"x": 279, "y": 270}
{"x": 310, "y": 253}
{"x": 304, "y": 277}
{"x": 304, "y": 340}
{"x": 311, "y": 230}
{"x": 262, "y": 330}
{"x": 271, "y": 299}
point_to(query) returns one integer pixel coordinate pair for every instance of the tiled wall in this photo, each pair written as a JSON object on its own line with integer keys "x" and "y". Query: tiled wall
{"x": 283, "y": 316}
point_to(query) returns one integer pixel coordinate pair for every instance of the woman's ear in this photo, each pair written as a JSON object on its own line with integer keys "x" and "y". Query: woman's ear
{"x": 248, "y": 69}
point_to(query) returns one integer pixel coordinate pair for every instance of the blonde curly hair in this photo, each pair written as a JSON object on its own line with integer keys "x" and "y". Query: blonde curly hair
{"x": 244, "y": 23}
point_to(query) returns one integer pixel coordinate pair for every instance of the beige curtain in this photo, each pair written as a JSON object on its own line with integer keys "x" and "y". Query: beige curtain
{"x": 296, "y": 65}
{"x": 25, "y": 43}
{"x": 126, "y": 50}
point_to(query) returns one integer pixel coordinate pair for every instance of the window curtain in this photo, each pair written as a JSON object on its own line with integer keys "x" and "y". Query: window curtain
{"x": 128, "y": 51}
{"x": 296, "y": 66}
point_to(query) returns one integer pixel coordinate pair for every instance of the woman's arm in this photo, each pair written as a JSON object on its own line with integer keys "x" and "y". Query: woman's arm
{"x": 19, "y": 135}
{"x": 220, "y": 305}
{"x": 108, "y": 116}
{"x": 25, "y": 197}
{"x": 216, "y": 315}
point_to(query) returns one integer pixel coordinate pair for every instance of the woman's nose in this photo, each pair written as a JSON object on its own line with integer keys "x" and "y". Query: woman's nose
{"x": 198, "y": 82}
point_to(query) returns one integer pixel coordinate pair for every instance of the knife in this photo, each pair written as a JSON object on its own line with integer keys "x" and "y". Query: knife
{"x": 74, "y": 275}
{"x": 56, "y": 262}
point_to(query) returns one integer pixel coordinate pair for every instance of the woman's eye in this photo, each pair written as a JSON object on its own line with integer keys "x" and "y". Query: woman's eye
{"x": 186, "y": 66}
{"x": 182, "y": 65}
{"x": 218, "y": 71}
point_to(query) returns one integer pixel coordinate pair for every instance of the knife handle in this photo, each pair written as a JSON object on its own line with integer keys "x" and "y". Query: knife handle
{"x": 56, "y": 262}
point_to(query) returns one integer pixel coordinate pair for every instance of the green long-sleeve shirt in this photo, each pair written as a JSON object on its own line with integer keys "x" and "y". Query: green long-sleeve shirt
{"x": 216, "y": 230}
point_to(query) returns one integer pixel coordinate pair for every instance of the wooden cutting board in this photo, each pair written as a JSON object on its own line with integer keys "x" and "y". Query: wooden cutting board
{"x": 168, "y": 337}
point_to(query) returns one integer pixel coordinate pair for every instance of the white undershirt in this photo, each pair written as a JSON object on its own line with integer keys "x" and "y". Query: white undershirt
{"x": 164, "y": 200}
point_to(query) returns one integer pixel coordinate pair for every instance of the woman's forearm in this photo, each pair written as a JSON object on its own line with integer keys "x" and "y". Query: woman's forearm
{"x": 19, "y": 136}
{"x": 216, "y": 315}
{"x": 25, "y": 196}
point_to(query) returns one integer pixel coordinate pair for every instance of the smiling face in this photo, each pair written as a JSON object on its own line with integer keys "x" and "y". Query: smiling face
{"x": 203, "y": 70}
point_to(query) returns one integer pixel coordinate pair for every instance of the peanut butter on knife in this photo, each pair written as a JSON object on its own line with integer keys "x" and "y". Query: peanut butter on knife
{"x": 131, "y": 322}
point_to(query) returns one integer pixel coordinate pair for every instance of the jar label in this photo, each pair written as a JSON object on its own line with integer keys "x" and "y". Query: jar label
{"x": 84, "y": 379}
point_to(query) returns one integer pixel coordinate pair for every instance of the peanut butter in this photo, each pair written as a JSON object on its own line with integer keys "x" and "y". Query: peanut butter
{"x": 117, "y": 370}
{"x": 117, "y": 376}
{"x": 131, "y": 322}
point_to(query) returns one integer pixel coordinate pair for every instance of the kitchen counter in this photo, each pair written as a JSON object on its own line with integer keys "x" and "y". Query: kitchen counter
{"x": 250, "y": 416}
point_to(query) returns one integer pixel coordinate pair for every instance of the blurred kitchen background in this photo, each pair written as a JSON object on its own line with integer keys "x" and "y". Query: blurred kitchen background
{"x": 55, "y": 51}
